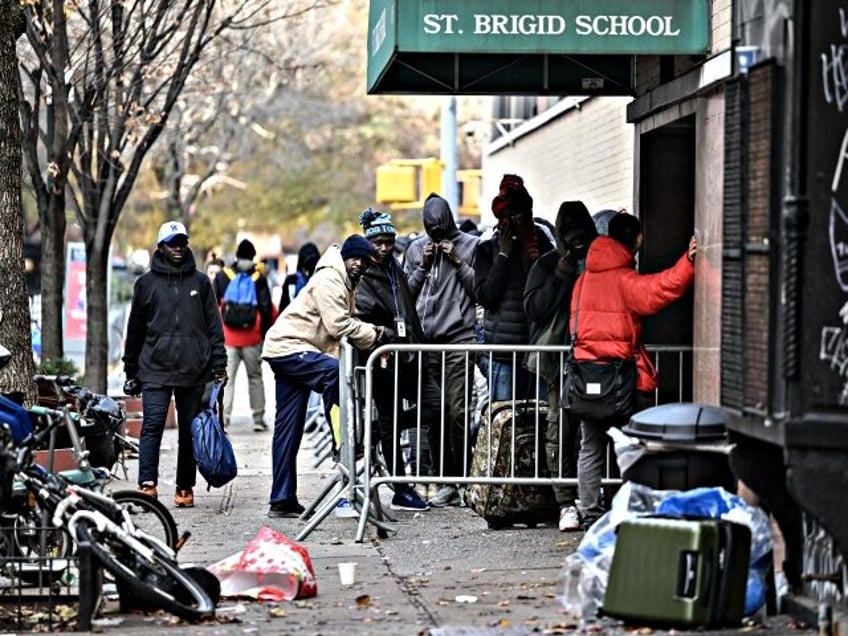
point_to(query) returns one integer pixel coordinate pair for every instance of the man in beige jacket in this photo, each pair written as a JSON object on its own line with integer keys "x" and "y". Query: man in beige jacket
{"x": 302, "y": 348}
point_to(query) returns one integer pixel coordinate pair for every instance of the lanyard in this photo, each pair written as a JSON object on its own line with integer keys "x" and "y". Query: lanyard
{"x": 393, "y": 285}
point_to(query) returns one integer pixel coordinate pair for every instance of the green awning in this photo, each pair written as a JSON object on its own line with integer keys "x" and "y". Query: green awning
{"x": 533, "y": 47}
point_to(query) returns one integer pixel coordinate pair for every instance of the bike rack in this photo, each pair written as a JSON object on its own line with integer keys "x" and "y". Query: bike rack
{"x": 90, "y": 586}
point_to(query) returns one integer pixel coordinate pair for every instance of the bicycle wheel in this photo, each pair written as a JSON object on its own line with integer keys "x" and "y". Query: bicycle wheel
{"x": 156, "y": 583}
{"x": 33, "y": 537}
{"x": 149, "y": 514}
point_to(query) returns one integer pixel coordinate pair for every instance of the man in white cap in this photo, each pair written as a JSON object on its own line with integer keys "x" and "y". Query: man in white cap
{"x": 174, "y": 347}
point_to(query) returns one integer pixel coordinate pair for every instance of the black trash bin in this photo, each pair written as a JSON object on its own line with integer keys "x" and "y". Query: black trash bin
{"x": 685, "y": 447}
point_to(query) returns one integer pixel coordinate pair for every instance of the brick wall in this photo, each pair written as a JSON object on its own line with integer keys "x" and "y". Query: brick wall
{"x": 721, "y": 21}
{"x": 647, "y": 69}
{"x": 582, "y": 154}
{"x": 709, "y": 184}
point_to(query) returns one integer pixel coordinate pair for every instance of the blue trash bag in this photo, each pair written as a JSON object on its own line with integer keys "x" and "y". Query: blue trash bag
{"x": 717, "y": 503}
{"x": 213, "y": 451}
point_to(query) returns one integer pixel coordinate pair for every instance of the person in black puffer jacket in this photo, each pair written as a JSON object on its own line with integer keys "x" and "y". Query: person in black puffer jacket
{"x": 501, "y": 266}
{"x": 174, "y": 346}
{"x": 547, "y": 298}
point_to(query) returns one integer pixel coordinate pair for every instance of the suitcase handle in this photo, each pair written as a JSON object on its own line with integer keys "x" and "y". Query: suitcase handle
{"x": 687, "y": 574}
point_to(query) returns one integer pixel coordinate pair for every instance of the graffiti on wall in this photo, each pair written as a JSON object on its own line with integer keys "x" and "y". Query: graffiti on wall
{"x": 834, "y": 74}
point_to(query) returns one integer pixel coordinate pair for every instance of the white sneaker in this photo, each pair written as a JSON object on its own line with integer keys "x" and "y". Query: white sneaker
{"x": 569, "y": 519}
{"x": 447, "y": 496}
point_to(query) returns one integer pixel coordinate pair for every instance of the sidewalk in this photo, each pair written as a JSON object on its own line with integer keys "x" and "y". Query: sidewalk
{"x": 408, "y": 583}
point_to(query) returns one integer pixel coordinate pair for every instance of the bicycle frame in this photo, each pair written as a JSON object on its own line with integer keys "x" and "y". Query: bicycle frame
{"x": 127, "y": 531}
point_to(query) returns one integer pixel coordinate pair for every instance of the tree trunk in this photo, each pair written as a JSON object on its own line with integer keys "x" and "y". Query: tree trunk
{"x": 97, "y": 314}
{"x": 14, "y": 306}
{"x": 52, "y": 219}
{"x": 53, "y": 226}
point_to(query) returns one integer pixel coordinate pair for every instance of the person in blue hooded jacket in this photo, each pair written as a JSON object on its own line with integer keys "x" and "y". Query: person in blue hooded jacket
{"x": 307, "y": 259}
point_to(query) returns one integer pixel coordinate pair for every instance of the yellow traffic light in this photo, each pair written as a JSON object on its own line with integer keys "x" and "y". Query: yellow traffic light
{"x": 470, "y": 182}
{"x": 431, "y": 178}
{"x": 407, "y": 182}
{"x": 396, "y": 183}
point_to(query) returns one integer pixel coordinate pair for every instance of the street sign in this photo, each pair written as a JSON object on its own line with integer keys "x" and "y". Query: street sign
{"x": 455, "y": 46}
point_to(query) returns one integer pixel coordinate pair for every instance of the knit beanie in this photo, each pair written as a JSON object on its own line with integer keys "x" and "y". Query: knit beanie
{"x": 512, "y": 197}
{"x": 356, "y": 246}
{"x": 375, "y": 223}
{"x": 245, "y": 250}
{"x": 625, "y": 228}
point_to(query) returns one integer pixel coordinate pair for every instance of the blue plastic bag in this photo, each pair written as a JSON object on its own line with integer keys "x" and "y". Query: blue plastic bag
{"x": 213, "y": 451}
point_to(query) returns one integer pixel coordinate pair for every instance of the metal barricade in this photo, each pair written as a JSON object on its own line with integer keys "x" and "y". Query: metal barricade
{"x": 351, "y": 460}
{"x": 434, "y": 357}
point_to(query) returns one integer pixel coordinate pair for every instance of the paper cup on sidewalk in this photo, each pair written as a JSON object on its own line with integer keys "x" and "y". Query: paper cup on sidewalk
{"x": 347, "y": 573}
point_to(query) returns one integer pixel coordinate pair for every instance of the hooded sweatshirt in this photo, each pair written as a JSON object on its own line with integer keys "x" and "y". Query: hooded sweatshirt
{"x": 444, "y": 293}
{"x": 307, "y": 257}
{"x": 174, "y": 331}
{"x": 320, "y": 315}
{"x": 548, "y": 288}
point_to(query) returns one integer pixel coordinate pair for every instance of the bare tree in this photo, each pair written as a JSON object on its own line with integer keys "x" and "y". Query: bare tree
{"x": 14, "y": 311}
{"x": 223, "y": 114}
{"x": 114, "y": 71}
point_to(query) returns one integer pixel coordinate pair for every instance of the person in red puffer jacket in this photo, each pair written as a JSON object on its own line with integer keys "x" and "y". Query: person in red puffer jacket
{"x": 245, "y": 345}
{"x": 607, "y": 305}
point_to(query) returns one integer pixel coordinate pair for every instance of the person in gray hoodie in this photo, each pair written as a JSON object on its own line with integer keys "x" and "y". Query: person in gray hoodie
{"x": 439, "y": 268}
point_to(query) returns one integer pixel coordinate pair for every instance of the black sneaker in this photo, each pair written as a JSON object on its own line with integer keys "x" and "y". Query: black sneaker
{"x": 407, "y": 499}
{"x": 285, "y": 510}
{"x": 260, "y": 426}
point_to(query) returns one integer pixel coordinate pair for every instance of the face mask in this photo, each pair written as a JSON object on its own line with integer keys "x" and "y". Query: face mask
{"x": 437, "y": 234}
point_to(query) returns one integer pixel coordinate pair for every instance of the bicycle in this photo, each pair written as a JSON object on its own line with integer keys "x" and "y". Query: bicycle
{"x": 144, "y": 567}
{"x": 102, "y": 418}
{"x": 27, "y": 533}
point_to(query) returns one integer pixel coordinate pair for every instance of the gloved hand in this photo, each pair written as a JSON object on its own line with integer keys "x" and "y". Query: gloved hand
{"x": 220, "y": 376}
{"x": 132, "y": 387}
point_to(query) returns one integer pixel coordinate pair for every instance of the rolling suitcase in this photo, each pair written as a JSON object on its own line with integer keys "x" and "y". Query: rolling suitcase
{"x": 502, "y": 505}
{"x": 679, "y": 572}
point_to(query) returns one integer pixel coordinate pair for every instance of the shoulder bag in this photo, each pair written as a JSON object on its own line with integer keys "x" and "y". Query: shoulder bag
{"x": 598, "y": 390}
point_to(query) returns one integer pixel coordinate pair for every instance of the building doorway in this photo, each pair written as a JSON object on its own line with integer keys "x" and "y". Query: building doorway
{"x": 666, "y": 199}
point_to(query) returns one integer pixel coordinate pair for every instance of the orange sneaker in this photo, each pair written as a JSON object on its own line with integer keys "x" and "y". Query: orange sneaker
{"x": 148, "y": 488}
{"x": 184, "y": 498}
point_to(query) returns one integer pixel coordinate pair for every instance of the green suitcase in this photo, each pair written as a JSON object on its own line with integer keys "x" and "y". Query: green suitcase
{"x": 679, "y": 572}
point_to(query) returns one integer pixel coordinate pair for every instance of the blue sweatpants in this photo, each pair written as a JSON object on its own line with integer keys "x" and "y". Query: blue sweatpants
{"x": 296, "y": 376}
